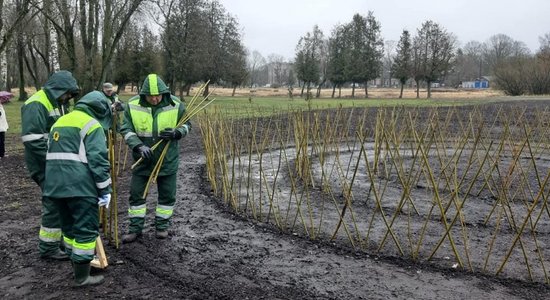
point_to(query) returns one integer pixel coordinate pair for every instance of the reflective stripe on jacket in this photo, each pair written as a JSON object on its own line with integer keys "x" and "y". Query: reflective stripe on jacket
{"x": 37, "y": 117}
{"x": 142, "y": 125}
{"x": 77, "y": 163}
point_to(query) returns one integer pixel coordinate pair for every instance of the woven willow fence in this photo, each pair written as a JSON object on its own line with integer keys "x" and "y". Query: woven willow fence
{"x": 463, "y": 187}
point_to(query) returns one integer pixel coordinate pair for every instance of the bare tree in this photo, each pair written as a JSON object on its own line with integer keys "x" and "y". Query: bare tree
{"x": 255, "y": 63}
{"x": 277, "y": 69}
{"x": 12, "y": 15}
{"x": 435, "y": 51}
{"x": 389, "y": 56}
{"x": 501, "y": 47}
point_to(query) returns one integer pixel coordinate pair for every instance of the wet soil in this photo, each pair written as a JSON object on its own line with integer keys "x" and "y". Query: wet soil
{"x": 214, "y": 254}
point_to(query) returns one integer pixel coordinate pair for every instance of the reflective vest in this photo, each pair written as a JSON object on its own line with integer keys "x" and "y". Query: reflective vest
{"x": 80, "y": 120}
{"x": 142, "y": 118}
{"x": 67, "y": 171}
{"x": 41, "y": 98}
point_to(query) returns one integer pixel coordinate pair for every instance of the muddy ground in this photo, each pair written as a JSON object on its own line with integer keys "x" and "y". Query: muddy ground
{"x": 214, "y": 254}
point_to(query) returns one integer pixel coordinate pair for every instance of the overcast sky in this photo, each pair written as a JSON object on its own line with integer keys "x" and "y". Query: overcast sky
{"x": 274, "y": 26}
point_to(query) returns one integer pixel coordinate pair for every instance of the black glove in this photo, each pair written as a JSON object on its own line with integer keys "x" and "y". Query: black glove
{"x": 145, "y": 151}
{"x": 170, "y": 134}
{"x": 117, "y": 106}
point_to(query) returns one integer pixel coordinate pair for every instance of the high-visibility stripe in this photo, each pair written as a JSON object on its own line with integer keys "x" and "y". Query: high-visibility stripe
{"x": 49, "y": 235}
{"x": 54, "y": 113}
{"x": 139, "y": 108}
{"x": 153, "y": 84}
{"x": 144, "y": 134}
{"x": 34, "y": 137}
{"x": 137, "y": 211}
{"x": 129, "y": 135}
{"x": 68, "y": 242}
{"x": 86, "y": 128}
{"x": 104, "y": 184}
{"x": 168, "y": 108}
{"x": 84, "y": 248}
{"x": 164, "y": 211}
{"x": 65, "y": 156}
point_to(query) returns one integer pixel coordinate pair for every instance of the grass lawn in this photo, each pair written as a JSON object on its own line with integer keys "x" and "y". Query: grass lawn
{"x": 243, "y": 107}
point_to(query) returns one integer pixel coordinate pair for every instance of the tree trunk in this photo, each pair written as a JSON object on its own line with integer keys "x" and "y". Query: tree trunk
{"x": 401, "y": 92}
{"x": 417, "y": 88}
{"x": 20, "y": 65}
{"x": 302, "y": 93}
{"x": 333, "y": 90}
{"x": 233, "y": 93}
{"x": 32, "y": 69}
{"x": 188, "y": 89}
{"x": 318, "y": 95}
{"x": 206, "y": 90}
{"x": 366, "y": 90}
{"x": 339, "y": 91}
{"x": 353, "y": 90}
{"x": 429, "y": 89}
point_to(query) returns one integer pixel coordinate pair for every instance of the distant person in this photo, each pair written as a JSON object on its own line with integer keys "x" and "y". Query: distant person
{"x": 108, "y": 91}
{"x": 38, "y": 114}
{"x": 78, "y": 178}
{"x": 3, "y": 128}
{"x": 116, "y": 104}
{"x": 149, "y": 117}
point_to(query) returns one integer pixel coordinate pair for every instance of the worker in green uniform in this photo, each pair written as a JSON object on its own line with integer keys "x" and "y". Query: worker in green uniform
{"x": 149, "y": 117}
{"x": 78, "y": 178}
{"x": 38, "y": 114}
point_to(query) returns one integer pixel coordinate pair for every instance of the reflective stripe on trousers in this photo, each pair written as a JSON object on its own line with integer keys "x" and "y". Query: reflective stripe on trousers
{"x": 50, "y": 235}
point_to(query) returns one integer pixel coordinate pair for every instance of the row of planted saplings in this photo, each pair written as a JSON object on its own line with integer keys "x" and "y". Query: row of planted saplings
{"x": 463, "y": 187}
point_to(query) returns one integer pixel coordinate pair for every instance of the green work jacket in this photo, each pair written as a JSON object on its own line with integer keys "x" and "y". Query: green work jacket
{"x": 76, "y": 163}
{"x": 38, "y": 114}
{"x": 143, "y": 123}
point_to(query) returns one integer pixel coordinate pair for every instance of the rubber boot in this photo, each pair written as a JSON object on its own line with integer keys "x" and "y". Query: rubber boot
{"x": 58, "y": 255}
{"x": 82, "y": 275}
{"x": 130, "y": 237}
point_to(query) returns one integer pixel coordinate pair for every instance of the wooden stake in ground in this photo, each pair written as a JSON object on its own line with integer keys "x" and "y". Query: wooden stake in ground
{"x": 100, "y": 259}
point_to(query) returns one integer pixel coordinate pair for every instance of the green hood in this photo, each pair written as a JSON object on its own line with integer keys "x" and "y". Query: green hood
{"x": 60, "y": 83}
{"x": 97, "y": 106}
{"x": 153, "y": 85}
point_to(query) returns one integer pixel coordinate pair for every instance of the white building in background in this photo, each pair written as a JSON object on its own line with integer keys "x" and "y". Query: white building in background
{"x": 479, "y": 83}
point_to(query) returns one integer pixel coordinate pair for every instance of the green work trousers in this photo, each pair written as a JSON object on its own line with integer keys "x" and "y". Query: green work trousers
{"x": 50, "y": 228}
{"x": 80, "y": 226}
{"x": 165, "y": 205}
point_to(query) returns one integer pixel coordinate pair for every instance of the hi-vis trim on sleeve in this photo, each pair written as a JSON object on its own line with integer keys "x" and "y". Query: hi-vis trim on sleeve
{"x": 34, "y": 137}
{"x": 129, "y": 135}
{"x": 104, "y": 184}
{"x": 144, "y": 134}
